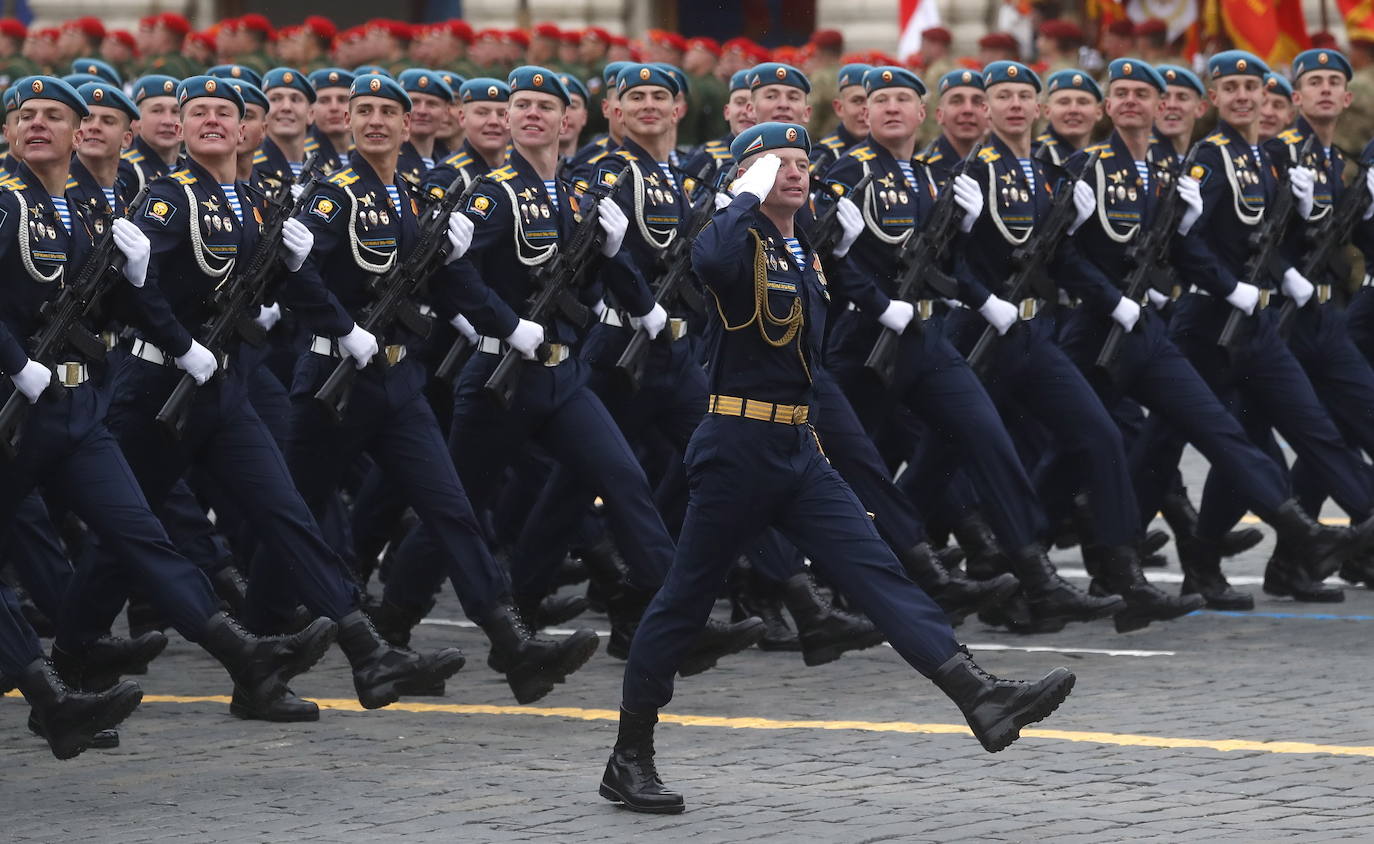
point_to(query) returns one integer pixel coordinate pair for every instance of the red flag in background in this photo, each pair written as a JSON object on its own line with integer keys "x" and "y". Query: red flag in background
{"x": 1359, "y": 18}
{"x": 1274, "y": 31}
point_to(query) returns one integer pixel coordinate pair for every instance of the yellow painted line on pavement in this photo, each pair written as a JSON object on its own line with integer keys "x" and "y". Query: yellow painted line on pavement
{"x": 1252, "y": 519}
{"x": 580, "y": 714}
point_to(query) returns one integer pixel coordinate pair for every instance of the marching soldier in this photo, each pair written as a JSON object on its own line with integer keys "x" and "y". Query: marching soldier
{"x": 571, "y": 137}
{"x": 157, "y": 144}
{"x": 1276, "y": 111}
{"x": 1073, "y": 107}
{"x": 486, "y": 135}
{"x": 282, "y": 155}
{"x": 430, "y": 97}
{"x": 105, "y": 131}
{"x": 1185, "y": 103}
{"x": 851, "y": 106}
{"x": 962, "y": 114}
{"x": 329, "y": 133}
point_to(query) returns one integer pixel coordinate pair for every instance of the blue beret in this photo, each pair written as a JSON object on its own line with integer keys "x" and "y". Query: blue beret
{"x": 208, "y": 86}
{"x": 330, "y": 77}
{"x": 252, "y": 94}
{"x": 50, "y": 88}
{"x": 371, "y": 70}
{"x": 11, "y": 95}
{"x": 679, "y": 76}
{"x": 76, "y": 80}
{"x": 575, "y": 86}
{"x": 1136, "y": 71}
{"x": 1004, "y": 71}
{"x": 877, "y": 78}
{"x": 853, "y": 74}
{"x": 1310, "y": 60}
{"x": 541, "y": 80}
{"x": 236, "y": 71}
{"x": 739, "y": 80}
{"x": 480, "y": 88}
{"x": 417, "y": 80}
{"x": 377, "y": 85}
{"x": 1275, "y": 84}
{"x": 1073, "y": 79}
{"x": 611, "y": 73}
{"x": 109, "y": 96}
{"x": 155, "y": 85}
{"x": 288, "y": 77}
{"x": 451, "y": 79}
{"x": 1236, "y": 63}
{"x": 640, "y": 75}
{"x": 769, "y": 136}
{"x": 960, "y": 78}
{"x": 97, "y": 67}
{"x": 777, "y": 73}
{"x": 1182, "y": 77}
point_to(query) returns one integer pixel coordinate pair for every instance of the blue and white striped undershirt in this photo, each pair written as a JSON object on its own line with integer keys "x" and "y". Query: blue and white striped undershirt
{"x": 428, "y": 162}
{"x": 908, "y": 173}
{"x": 109, "y": 196}
{"x": 395, "y": 194}
{"x": 231, "y": 194}
{"x": 296, "y": 167}
{"x": 798, "y": 254}
{"x": 551, "y": 188}
{"x": 63, "y": 212}
{"x": 667, "y": 168}
{"x": 1029, "y": 169}
{"x": 1143, "y": 169}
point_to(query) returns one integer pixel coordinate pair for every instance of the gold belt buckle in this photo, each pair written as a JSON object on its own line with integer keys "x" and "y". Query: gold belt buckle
{"x": 557, "y": 354}
{"x": 1323, "y": 294}
{"x": 1175, "y": 292}
{"x": 1264, "y": 297}
{"x": 925, "y": 309}
{"x": 799, "y": 414}
{"x": 110, "y": 339}
{"x": 677, "y": 328}
{"x": 1028, "y": 309}
{"x": 73, "y": 374}
{"x": 394, "y": 354}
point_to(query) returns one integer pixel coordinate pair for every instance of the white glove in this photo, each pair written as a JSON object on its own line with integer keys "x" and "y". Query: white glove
{"x": 298, "y": 241}
{"x": 32, "y": 380}
{"x": 1296, "y": 287}
{"x": 897, "y": 316}
{"x": 464, "y": 327}
{"x": 1302, "y": 181}
{"x": 1159, "y": 300}
{"x": 268, "y": 316}
{"x": 613, "y": 225}
{"x": 459, "y": 235}
{"x": 1084, "y": 203}
{"x": 723, "y": 198}
{"x": 296, "y": 191}
{"x": 652, "y": 322}
{"x": 358, "y": 344}
{"x": 999, "y": 313}
{"x": 198, "y": 362}
{"x": 136, "y": 248}
{"x": 759, "y": 178}
{"x": 851, "y": 223}
{"x": 1369, "y": 186}
{"x": 1190, "y": 191}
{"x": 1244, "y": 298}
{"x": 1126, "y": 313}
{"x": 599, "y": 308}
{"x": 968, "y": 196}
{"x": 526, "y": 338}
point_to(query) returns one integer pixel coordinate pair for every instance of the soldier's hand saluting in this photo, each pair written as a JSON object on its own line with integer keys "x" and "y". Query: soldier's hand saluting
{"x": 759, "y": 178}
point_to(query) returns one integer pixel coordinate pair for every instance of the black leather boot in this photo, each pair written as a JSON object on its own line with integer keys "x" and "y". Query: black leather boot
{"x": 826, "y": 633}
{"x": 230, "y": 588}
{"x": 1319, "y": 548}
{"x": 394, "y": 622}
{"x": 983, "y": 556}
{"x": 625, "y": 607}
{"x": 100, "y": 664}
{"x": 957, "y": 594}
{"x": 631, "y": 778}
{"x": 754, "y": 595}
{"x": 1201, "y": 564}
{"x": 143, "y": 617}
{"x": 997, "y": 709}
{"x": 1286, "y": 577}
{"x": 69, "y": 720}
{"x": 1016, "y": 615}
{"x": 101, "y": 740}
{"x": 1359, "y": 571}
{"x": 261, "y": 665}
{"x": 382, "y": 672}
{"x": 288, "y": 708}
{"x": 1118, "y": 571}
{"x": 1181, "y": 516}
{"x": 718, "y": 639}
{"x": 551, "y": 610}
{"x": 1154, "y": 540}
{"x": 534, "y": 665}
{"x": 1052, "y": 598}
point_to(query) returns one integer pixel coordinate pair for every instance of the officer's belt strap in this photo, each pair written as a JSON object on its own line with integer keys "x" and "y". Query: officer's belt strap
{"x": 329, "y": 347}
{"x": 147, "y": 351}
{"x": 1265, "y": 294}
{"x": 494, "y": 346}
{"x": 763, "y": 411}
{"x": 676, "y": 328}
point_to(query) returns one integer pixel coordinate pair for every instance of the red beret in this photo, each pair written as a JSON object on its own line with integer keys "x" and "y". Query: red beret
{"x": 518, "y": 36}
{"x": 460, "y": 29}
{"x": 203, "y": 38}
{"x": 938, "y": 34}
{"x": 1061, "y": 30}
{"x": 1123, "y": 28}
{"x": 998, "y": 41}
{"x": 1153, "y": 26}
{"x": 664, "y": 38}
{"x": 489, "y": 34}
{"x": 13, "y": 28}
{"x": 703, "y": 43}
{"x": 1323, "y": 41}
{"x": 571, "y": 36}
{"x": 47, "y": 34}
{"x": 548, "y": 30}
{"x": 123, "y": 36}
{"x": 256, "y": 23}
{"x": 321, "y": 27}
{"x": 618, "y": 41}
{"x": 176, "y": 23}
{"x": 400, "y": 30}
{"x": 88, "y": 26}
{"x": 829, "y": 39}
{"x": 151, "y": 21}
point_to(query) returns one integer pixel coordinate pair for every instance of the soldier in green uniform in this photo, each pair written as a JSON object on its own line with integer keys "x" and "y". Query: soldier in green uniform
{"x": 706, "y": 103}
{"x": 166, "y": 40}
{"x": 1357, "y": 123}
{"x": 13, "y": 63}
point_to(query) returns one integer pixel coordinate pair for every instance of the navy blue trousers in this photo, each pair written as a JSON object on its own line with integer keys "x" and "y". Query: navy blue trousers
{"x": 19, "y": 645}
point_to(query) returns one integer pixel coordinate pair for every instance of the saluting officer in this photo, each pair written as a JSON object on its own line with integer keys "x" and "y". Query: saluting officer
{"x": 755, "y": 462}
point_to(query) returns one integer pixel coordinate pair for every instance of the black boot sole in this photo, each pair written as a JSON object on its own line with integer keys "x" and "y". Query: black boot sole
{"x": 107, "y": 718}
{"x": 1240, "y": 541}
{"x": 698, "y": 661}
{"x": 102, "y": 740}
{"x": 1138, "y": 618}
{"x": 1105, "y": 611}
{"x": 1008, "y": 730}
{"x": 1238, "y": 603}
{"x": 615, "y": 796}
{"x": 1281, "y": 589}
{"x": 304, "y": 715}
{"x": 532, "y": 683}
{"x": 834, "y": 650}
{"x": 790, "y": 645}
{"x": 385, "y": 694}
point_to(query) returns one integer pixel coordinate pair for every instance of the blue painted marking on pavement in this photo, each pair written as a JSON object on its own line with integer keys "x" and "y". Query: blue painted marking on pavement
{"x": 1314, "y": 616}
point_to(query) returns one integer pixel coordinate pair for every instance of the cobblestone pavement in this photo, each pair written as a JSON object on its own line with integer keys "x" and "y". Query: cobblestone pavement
{"x": 1247, "y": 726}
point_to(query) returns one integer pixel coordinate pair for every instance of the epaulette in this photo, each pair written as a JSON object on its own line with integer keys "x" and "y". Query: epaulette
{"x": 831, "y": 141}
{"x": 132, "y": 156}
{"x": 503, "y": 174}
{"x": 932, "y": 157}
{"x": 312, "y": 143}
{"x": 987, "y": 155}
{"x": 1047, "y": 139}
{"x": 344, "y": 178}
{"x": 863, "y": 152}
{"x": 1102, "y": 150}
{"x": 71, "y": 184}
{"x": 259, "y": 157}
{"x": 13, "y": 183}
{"x": 626, "y": 154}
{"x": 597, "y": 157}
{"x": 718, "y": 150}
{"x": 459, "y": 159}
{"x": 1292, "y": 137}
{"x": 184, "y": 177}
{"x": 1217, "y": 138}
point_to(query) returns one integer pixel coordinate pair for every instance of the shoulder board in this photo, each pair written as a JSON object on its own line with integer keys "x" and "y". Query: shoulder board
{"x": 183, "y": 177}
{"x": 71, "y": 183}
{"x": 311, "y": 143}
{"x": 831, "y": 141}
{"x": 1216, "y": 138}
{"x": 627, "y": 155}
{"x": 131, "y": 155}
{"x": 988, "y": 155}
{"x": 719, "y": 152}
{"x": 602, "y": 142}
{"x": 597, "y": 157}
{"x": 458, "y": 159}
{"x": 715, "y": 143}
{"x": 13, "y": 183}
{"x": 1291, "y": 136}
{"x": 344, "y": 178}
{"x": 503, "y": 174}
{"x": 932, "y": 157}
{"x": 862, "y": 152}
{"x": 259, "y": 157}
{"x": 1047, "y": 139}
{"x": 1103, "y": 150}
